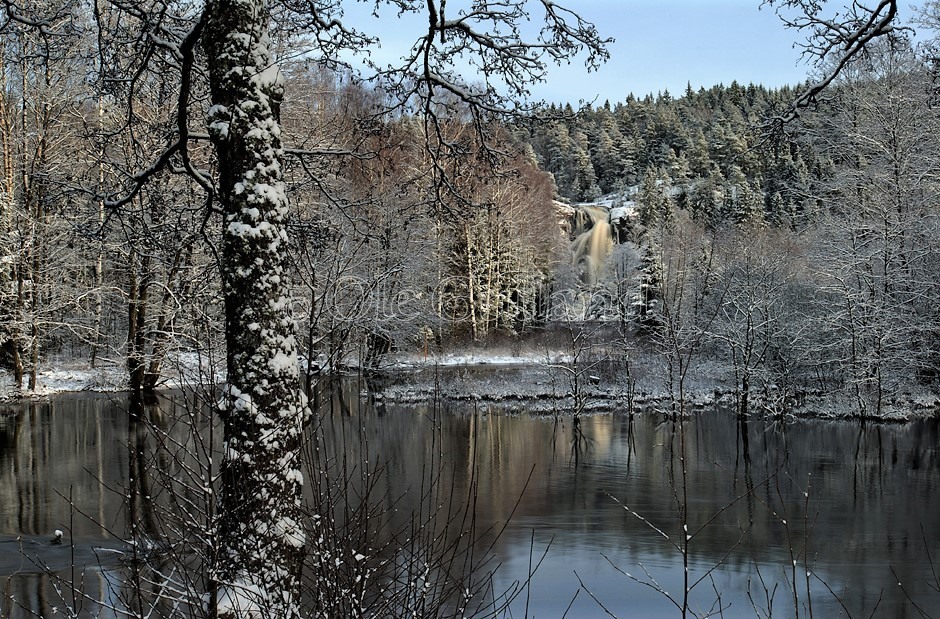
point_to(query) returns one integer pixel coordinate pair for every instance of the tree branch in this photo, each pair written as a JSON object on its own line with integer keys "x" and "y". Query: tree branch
{"x": 837, "y": 40}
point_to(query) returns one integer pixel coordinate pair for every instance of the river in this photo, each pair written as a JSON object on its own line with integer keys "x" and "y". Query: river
{"x": 604, "y": 498}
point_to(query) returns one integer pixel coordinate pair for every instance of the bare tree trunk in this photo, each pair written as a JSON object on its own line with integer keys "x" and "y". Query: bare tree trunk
{"x": 9, "y": 280}
{"x": 16, "y": 339}
{"x": 134, "y": 361}
{"x": 160, "y": 340}
{"x": 42, "y": 123}
{"x": 471, "y": 284}
{"x": 99, "y": 258}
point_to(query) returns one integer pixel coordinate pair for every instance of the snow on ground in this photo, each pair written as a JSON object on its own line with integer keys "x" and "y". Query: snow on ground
{"x": 184, "y": 368}
{"x": 533, "y": 380}
{"x": 187, "y": 368}
{"x": 471, "y": 358}
{"x": 618, "y": 204}
{"x": 623, "y": 212}
{"x": 68, "y": 377}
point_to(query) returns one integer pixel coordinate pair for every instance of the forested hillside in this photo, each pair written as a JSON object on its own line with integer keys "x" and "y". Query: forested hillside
{"x": 795, "y": 259}
{"x": 798, "y": 260}
{"x": 703, "y": 142}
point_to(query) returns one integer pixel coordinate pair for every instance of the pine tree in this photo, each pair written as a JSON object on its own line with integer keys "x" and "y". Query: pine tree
{"x": 655, "y": 207}
{"x": 584, "y": 185}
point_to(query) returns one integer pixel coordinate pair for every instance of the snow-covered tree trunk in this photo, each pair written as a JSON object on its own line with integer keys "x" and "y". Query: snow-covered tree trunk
{"x": 260, "y": 534}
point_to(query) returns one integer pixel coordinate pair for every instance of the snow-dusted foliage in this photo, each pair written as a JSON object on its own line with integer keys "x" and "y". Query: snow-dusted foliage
{"x": 260, "y": 518}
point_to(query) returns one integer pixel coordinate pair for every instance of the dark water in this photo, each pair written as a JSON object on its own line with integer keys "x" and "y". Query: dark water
{"x": 855, "y": 506}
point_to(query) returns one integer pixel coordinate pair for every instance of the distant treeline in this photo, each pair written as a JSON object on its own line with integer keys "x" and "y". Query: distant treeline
{"x": 802, "y": 259}
{"x": 709, "y": 139}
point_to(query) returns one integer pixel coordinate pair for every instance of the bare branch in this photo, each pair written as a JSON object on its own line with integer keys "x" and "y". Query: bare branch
{"x": 833, "y": 42}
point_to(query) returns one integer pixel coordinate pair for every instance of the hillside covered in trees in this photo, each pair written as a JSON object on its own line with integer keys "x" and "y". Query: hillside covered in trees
{"x": 700, "y": 143}
{"x": 804, "y": 260}
{"x": 792, "y": 261}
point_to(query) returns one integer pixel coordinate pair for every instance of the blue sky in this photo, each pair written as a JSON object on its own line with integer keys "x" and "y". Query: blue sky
{"x": 660, "y": 45}
{"x": 668, "y": 43}
{"x": 665, "y": 44}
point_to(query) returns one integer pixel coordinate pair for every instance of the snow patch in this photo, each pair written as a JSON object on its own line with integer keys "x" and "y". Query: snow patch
{"x": 241, "y": 600}
{"x": 535, "y": 358}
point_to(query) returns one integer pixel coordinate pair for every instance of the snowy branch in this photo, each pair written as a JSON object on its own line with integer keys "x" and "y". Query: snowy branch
{"x": 833, "y": 42}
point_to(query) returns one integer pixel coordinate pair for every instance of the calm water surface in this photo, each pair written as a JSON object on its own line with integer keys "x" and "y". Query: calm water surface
{"x": 856, "y": 506}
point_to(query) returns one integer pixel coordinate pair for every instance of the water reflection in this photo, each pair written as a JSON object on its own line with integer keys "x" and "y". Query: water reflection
{"x": 853, "y": 505}
{"x": 48, "y": 453}
{"x": 93, "y": 467}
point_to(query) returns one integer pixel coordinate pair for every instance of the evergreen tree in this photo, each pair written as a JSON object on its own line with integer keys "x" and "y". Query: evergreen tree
{"x": 584, "y": 185}
{"x": 655, "y": 208}
{"x": 607, "y": 152}
{"x": 557, "y": 157}
{"x": 742, "y": 204}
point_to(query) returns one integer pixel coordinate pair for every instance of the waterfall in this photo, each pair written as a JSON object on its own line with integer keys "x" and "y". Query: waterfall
{"x": 593, "y": 242}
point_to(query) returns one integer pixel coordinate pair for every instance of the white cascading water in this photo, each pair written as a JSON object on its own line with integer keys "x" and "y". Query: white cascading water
{"x": 593, "y": 242}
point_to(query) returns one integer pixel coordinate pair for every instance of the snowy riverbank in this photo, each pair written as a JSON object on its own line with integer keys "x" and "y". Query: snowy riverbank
{"x": 511, "y": 382}
{"x": 535, "y": 389}
{"x": 66, "y": 376}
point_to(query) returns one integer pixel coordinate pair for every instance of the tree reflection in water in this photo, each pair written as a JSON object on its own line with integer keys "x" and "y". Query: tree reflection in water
{"x": 858, "y": 500}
